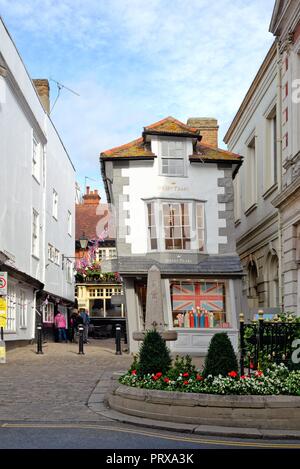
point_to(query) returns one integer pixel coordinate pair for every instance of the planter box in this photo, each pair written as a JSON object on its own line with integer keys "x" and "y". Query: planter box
{"x": 263, "y": 412}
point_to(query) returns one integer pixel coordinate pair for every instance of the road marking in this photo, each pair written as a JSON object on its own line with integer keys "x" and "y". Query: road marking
{"x": 154, "y": 435}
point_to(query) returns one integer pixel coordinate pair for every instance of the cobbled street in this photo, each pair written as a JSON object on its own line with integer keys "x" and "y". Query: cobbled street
{"x": 55, "y": 386}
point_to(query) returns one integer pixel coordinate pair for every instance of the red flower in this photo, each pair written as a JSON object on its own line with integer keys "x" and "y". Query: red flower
{"x": 243, "y": 377}
{"x": 258, "y": 373}
{"x": 159, "y": 374}
{"x": 155, "y": 377}
{"x": 232, "y": 374}
{"x": 199, "y": 378}
{"x": 166, "y": 380}
{"x": 185, "y": 375}
{"x": 133, "y": 372}
{"x": 186, "y": 382}
{"x": 251, "y": 365}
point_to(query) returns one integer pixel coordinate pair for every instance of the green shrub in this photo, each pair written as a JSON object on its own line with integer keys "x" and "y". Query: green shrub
{"x": 154, "y": 355}
{"x": 220, "y": 359}
{"x": 182, "y": 365}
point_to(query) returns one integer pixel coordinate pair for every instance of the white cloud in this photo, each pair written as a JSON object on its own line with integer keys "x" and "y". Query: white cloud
{"x": 136, "y": 61}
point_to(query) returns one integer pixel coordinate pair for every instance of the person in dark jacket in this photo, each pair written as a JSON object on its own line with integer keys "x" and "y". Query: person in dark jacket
{"x": 75, "y": 319}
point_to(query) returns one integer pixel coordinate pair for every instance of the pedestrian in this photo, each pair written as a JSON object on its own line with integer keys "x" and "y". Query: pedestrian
{"x": 74, "y": 324}
{"x": 86, "y": 322}
{"x": 60, "y": 324}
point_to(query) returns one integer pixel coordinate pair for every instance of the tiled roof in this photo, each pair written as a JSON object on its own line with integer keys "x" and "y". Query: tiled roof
{"x": 213, "y": 264}
{"x": 136, "y": 148}
{"x": 210, "y": 153}
{"x": 170, "y": 126}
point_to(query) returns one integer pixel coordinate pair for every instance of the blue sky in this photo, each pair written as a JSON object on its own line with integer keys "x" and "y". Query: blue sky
{"x": 134, "y": 62}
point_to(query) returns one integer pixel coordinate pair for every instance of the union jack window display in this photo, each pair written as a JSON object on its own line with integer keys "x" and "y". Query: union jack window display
{"x": 199, "y": 304}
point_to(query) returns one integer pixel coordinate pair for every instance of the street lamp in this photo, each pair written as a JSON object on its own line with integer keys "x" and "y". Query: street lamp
{"x": 83, "y": 240}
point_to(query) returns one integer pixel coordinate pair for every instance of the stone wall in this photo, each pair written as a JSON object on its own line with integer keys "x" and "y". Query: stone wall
{"x": 264, "y": 412}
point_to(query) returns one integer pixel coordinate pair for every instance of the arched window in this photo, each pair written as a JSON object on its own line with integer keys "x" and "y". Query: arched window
{"x": 273, "y": 281}
{"x": 252, "y": 291}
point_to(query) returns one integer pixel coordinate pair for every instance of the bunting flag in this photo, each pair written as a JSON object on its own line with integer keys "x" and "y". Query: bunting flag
{"x": 206, "y": 295}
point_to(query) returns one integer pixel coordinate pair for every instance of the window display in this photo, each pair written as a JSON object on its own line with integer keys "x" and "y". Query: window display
{"x": 199, "y": 304}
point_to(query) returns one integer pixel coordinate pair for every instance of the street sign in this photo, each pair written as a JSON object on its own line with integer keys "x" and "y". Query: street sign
{"x": 3, "y": 312}
{"x": 3, "y": 283}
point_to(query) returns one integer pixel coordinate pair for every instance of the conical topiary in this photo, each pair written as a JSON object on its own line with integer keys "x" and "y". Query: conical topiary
{"x": 154, "y": 355}
{"x": 220, "y": 359}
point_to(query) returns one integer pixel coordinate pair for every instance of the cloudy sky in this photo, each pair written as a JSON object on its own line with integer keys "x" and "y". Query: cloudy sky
{"x": 134, "y": 62}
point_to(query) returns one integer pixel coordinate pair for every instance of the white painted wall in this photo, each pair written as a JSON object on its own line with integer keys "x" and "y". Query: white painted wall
{"x": 21, "y": 114}
{"x": 145, "y": 182}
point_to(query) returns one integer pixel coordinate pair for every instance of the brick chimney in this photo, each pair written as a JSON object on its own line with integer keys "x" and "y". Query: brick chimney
{"x": 208, "y": 129}
{"x": 43, "y": 90}
{"x": 91, "y": 197}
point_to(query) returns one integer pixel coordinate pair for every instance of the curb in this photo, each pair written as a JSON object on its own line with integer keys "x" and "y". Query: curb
{"x": 98, "y": 403}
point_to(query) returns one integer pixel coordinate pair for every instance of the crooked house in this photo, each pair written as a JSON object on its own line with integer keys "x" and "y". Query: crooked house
{"x": 172, "y": 194}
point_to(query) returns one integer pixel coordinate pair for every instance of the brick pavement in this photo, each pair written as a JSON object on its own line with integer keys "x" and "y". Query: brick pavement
{"x": 55, "y": 386}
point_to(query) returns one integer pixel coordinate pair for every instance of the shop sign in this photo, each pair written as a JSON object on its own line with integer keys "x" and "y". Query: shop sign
{"x": 3, "y": 312}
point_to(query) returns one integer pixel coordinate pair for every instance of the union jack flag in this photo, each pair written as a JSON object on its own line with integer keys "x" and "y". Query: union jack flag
{"x": 187, "y": 296}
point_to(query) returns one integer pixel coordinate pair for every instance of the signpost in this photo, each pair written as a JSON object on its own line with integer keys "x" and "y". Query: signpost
{"x": 3, "y": 314}
{"x": 3, "y": 283}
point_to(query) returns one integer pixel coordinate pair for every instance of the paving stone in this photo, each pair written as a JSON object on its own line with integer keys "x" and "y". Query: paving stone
{"x": 56, "y": 386}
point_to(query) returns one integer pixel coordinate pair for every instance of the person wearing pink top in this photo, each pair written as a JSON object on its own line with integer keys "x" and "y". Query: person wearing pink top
{"x": 60, "y": 324}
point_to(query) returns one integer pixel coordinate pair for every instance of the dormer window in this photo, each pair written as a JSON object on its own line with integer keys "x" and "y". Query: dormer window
{"x": 172, "y": 157}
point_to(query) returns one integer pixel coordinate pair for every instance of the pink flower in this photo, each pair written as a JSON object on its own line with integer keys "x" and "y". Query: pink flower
{"x": 166, "y": 380}
{"x": 258, "y": 373}
{"x": 133, "y": 372}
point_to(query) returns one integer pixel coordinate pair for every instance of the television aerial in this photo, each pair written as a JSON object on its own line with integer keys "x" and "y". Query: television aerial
{"x": 60, "y": 87}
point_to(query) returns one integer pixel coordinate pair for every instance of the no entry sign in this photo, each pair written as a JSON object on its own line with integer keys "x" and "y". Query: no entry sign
{"x": 3, "y": 283}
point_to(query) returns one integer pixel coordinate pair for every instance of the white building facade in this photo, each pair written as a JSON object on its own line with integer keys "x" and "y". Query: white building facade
{"x": 173, "y": 200}
{"x": 37, "y": 191}
{"x": 266, "y": 131}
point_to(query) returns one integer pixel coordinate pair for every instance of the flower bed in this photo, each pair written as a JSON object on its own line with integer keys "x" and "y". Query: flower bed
{"x": 277, "y": 380}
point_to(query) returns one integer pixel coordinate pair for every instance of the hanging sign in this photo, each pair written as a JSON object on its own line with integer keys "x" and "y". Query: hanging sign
{"x": 3, "y": 312}
{"x": 3, "y": 283}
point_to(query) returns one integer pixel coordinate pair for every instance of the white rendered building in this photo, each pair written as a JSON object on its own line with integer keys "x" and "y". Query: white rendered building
{"x": 37, "y": 193}
{"x": 172, "y": 194}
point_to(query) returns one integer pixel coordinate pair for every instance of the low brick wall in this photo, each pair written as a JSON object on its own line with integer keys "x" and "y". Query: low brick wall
{"x": 265, "y": 412}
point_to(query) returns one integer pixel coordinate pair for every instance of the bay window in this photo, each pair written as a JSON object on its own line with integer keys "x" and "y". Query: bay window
{"x": 176, "y": 225}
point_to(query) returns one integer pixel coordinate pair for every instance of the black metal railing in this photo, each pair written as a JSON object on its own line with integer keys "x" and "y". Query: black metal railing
{"x": 262, "y": 342}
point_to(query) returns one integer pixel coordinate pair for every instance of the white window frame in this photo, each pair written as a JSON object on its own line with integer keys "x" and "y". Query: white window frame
{"x": 56, "y": 256}
{"x": 237, "y": 198}
{"x": 197, "y": 243}
{"x": 69, "y": 271}
{"x": 69, "y": 223}
{"x": 11, "y": 321}
{"x": 270, "y": 156}
{"x": 55, "y": 205}
{"x": 23, "y": 309}
{"x": 163, "y": 157}
{"x": 48, "y": 313}
{"x": 36, "y": 159}
{"x": 35, "y": 241}
{"x": 250, "y": 172}
{"x": 51, "y": 252}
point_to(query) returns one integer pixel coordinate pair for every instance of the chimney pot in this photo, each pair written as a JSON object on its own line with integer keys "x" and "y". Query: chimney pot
{"x": 87, "y": 189}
